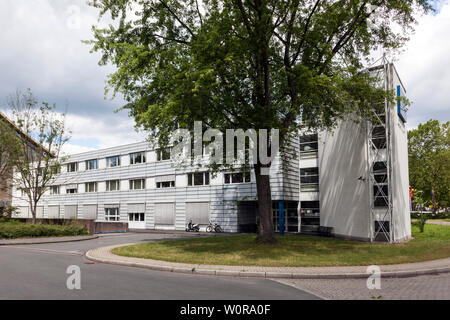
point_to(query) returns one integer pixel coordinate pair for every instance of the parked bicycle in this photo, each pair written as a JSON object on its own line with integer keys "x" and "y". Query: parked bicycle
{"x": 213, "y": 227}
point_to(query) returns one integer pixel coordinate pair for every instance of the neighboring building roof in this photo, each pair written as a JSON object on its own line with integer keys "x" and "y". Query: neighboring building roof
{"x": 24, "y": 134}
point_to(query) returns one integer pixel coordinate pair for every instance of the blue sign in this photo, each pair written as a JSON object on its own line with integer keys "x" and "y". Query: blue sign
{"x": 400, "y": 110}
{"x": 281, "y": 217}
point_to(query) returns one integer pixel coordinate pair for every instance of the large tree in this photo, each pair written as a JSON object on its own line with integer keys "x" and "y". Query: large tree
{"x": 41, "y": 134}
{"x": 248, "y": 64}
{"x": 429, "y": 162}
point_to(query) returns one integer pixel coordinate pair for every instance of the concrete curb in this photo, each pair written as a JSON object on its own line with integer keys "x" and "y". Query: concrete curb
{"x": 11, "y": 242}
{"x": 90, "y": 255}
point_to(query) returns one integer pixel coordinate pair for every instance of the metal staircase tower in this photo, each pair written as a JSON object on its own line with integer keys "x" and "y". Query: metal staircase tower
{"x": 379, "y": 162}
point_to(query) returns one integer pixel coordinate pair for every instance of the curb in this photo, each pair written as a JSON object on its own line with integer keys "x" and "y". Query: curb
{"x": 253, "y": 274}
{"x": 44, "y": 240}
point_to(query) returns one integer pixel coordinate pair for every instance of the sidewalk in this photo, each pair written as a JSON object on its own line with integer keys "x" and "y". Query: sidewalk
{"x": 104, "y": 255}
{"x": 444, "y": 223}
{"x": 46, "y": 240}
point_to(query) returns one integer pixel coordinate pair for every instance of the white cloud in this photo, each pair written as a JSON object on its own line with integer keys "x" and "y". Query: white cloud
{"x": 92, "y": 133}
{"x": 424, "y": 67}
{"x": 42, "y": 50}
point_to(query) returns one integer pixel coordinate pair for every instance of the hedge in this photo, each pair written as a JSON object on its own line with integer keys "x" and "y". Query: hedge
{"x": 15, "y": 229}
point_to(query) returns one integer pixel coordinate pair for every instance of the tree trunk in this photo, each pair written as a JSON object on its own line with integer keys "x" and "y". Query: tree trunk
{"x": 33, "y": 214}
{"x": 265, "y": 230}
{"x": 433, "y": 201}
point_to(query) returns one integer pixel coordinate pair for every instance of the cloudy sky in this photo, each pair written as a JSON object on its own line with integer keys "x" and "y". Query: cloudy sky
{"x": 41, "y": 49}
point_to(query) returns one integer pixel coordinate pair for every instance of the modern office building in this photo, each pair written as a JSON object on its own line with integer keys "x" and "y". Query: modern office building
{"x": 353, "y": 179}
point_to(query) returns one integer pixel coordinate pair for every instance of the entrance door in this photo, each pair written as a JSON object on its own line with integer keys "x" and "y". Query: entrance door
{"x": 136, "y": 216}
{"x": 136, "y": 220}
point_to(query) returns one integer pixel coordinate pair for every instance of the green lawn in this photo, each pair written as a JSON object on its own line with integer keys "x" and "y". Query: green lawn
{"x": 295, "y": 251}
{"x": 15, "y": 229}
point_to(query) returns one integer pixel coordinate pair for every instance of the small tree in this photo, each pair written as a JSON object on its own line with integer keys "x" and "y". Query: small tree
{"x": 429, "y": 162}
{"x": 36, "y": 161}
{"x": 418, "y": 201}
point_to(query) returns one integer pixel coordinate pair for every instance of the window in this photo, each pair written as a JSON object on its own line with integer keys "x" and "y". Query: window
{"x": 382, "y": 226}
{"x": 379, "y": 137}
{"x": 136, "y": 216}
{"x": 309, "y": 208}
{"x": 309, "y": 143}
{"x": 380, "y": 195}
{"x": 72, "y": 167}
{"x": 71, "y": 189}
{"x": 380, "y": 189}
{"x": 165, "y": 184}
{"x": 309, "y": 179}
{"x": 24, "y": 192}
{"x": 198, "y": 179}
{"x": 113, "y": 161}
{"x": 193, "y": 148}
{"x": 167, "y": 181}
{"x": 309, "y": 175}
{"x": 112, "y": 185}
{"x": 92, "y": 164}
{"x": 91, "y": 187}
{"x": 137, "y": 184}
{"x": 112, "y": 214}
{"x": 380, "y": 172}
{"x": 237, "y": 177}
{"x": 138, "y": 157}
{"x": 54, "y": 190}
{"x": 163, "y": 154}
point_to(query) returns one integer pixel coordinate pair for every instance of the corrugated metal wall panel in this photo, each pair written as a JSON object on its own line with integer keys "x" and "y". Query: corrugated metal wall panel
{"x": 198, "y": 211}
{"x": 53, "y": 212}
{"x": 90, "y": 211}
{"x": 164, "y": 214}
{"x": 136, "y": 208}
{"x": 70, "y": 212}
{"x": 40, "y": 212}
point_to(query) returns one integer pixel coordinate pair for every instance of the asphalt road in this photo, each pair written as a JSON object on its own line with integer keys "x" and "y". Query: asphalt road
{"x": 39, "y": 272}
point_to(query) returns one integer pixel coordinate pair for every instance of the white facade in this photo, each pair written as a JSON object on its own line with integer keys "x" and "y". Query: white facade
{"x": 325, "y": 182}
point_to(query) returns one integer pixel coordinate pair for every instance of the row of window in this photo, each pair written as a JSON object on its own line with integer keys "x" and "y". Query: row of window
{"x": 194, "y": 179}
{"x": 308, "y": 144}
{"x": 114, "y": 161}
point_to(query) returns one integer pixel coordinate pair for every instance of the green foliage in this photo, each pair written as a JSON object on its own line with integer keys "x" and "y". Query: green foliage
{"x": 429, "y": 164}
{"x": 441, "y": 215}
{"x": 9, "y": 149}
{"x": 11, "y": 229}
{"x": 233, "y": 64}
{"x": 248, "y": 64}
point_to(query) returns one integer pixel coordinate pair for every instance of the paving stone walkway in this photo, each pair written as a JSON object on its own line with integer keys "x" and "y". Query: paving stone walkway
{"x": 104, "y": 255}
{"x": 425, "y": 287}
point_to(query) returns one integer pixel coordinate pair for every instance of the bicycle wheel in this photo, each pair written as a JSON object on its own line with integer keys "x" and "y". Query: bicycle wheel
{"x": 219, "y": 229}
{"x": 208, "y": 229}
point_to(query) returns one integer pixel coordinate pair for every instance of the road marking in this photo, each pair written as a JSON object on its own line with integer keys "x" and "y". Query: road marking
{"x": 73, "y": 253}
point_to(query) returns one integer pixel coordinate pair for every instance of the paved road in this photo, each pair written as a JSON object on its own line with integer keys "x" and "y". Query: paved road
{"x": 39, "y": 272}
{"x": 427, "y": 287}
